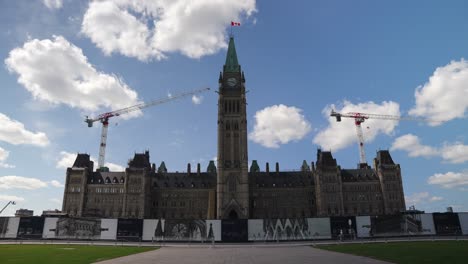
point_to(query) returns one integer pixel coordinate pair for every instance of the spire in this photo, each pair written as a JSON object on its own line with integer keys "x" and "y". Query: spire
{"x": 232, "y": 64}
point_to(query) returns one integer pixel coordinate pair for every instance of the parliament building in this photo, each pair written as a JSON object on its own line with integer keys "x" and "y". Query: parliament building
{"x": 231, "y": 189}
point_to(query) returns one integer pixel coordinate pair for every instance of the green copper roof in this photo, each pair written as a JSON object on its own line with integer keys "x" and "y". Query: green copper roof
{"x": 162, "y": 168}
{"x": 254, "y": 167}
{"x": 232, "y": 64}
{"x": 305, "y": 166}
{"x": 211, "y": 167}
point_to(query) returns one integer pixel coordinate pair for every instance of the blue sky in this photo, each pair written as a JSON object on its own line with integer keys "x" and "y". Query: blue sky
{"x": 65, "y": 59}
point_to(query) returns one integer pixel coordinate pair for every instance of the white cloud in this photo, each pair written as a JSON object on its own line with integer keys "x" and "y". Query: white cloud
{"x": 56, "y": 71}
{"x": 279, "y": 124}
{"x": 449, "y": 179}
{"x": 436, "y": 198}
{"x": 412, "y": 145}
{"x": 67, "y": 159}
{"x": 148, "y": 29}
{"x": 53, "y": 4}
{"x": 114, "y": 167}
{"x": 8, "y": 198}
{"x": 13, "y": 132}
{"x": 18, "y": 182}
{"x": 455, "y": 153}
{"x": 197, "y": 99}
{"x": 445, "y": 96}
{"x": 422, "y": 197}
{"x": 339, "y": 135}
{"x": 56, "y": 184}
{"x": 3, "y": 156}
{"x": 451, "y": 152}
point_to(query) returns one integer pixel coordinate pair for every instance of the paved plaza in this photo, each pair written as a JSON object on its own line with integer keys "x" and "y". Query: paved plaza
{"x": 245, "y": 254}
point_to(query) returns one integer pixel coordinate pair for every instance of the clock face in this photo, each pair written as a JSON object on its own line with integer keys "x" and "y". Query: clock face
{"x": 231, "y": 82}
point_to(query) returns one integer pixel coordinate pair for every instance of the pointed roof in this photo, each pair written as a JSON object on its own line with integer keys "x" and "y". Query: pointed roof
{"x": 232, "y": 64}
{"x": 162, "y": 168}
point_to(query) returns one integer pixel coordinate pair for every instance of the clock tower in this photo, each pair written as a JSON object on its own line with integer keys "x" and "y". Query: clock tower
{"x": 232, "y": 182}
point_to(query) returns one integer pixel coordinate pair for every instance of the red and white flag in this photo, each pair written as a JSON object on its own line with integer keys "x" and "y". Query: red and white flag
{"x": 235, "y": 24}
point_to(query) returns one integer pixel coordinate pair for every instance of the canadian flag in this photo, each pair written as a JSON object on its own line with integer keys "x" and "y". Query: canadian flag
{"x": 235, "y": 24}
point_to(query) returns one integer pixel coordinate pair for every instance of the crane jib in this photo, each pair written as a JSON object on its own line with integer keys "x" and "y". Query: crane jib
{"x": 104, "y": 118}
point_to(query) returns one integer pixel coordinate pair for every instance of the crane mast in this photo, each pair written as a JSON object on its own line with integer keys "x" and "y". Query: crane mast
{"x": 104, "y": 118}
{"x": 359, "y": 118}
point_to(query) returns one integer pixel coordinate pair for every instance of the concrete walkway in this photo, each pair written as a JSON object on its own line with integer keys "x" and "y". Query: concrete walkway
{"x": 245, "y": 254}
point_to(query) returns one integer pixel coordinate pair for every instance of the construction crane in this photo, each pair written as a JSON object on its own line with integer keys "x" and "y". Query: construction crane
{"x": 10, "y": 202}
{"x": 104, "y": 118}
{"x": 359, "y": 118}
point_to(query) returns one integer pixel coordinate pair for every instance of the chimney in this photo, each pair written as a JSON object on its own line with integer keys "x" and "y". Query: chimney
{"x": 198, "y": 168}
{"x": 277, "y": 167}
{"x": 267, "y": 168}
{"x": 188, "y": 168}
{"x": 313, "y": 166}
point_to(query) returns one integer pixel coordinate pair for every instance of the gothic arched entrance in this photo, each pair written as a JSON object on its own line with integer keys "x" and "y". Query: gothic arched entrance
{"x": 233, "y": 215}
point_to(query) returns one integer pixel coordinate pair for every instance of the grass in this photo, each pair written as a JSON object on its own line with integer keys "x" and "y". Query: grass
{"x": 70, "y": 254}
{"x": 408, "y": 252}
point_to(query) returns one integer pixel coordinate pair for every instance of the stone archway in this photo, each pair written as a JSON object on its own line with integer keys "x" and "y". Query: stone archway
{"x": 233, "y": 215}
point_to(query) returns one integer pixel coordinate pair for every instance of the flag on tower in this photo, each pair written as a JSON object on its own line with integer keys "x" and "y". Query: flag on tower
{"x": 235, "y": 24}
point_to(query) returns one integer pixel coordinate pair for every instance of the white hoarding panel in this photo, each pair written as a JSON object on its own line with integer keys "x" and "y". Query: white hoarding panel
{"x": 149, "y": 229}
{"x": 108, "y": 229}
{"x": 463, "y": 217}
{"x": 319, "y": 228}
{"x": 256, "y": 232}
{"x": 9, "y": 227}
{"x": 363, "y": 226}
{"x": 427, "y": 224}
{"x": 213, "y": 230}
{"x": 50, "y": 226}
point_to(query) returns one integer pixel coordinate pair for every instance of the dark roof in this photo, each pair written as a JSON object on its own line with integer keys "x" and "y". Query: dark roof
{"x": 325, "y": 158}
{"x": 281, "y": 179}
{"x": 99, "y": 177}
{"x": 254, "y": 167}
{"x": 140, "y": 160}
{"x": 83, "y": 161}
{"x": 211, "y": 167}
{"x": 384, "y": 157}
{"x": 351, "y": 175}
{"x": 203, "y": 180}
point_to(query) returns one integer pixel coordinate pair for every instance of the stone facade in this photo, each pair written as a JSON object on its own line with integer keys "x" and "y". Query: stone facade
{"x": 231, "y": 190}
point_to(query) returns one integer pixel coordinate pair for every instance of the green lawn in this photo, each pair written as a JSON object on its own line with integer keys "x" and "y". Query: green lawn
{"x": 70, "y": 254}
{"x": 409, "y": 252}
